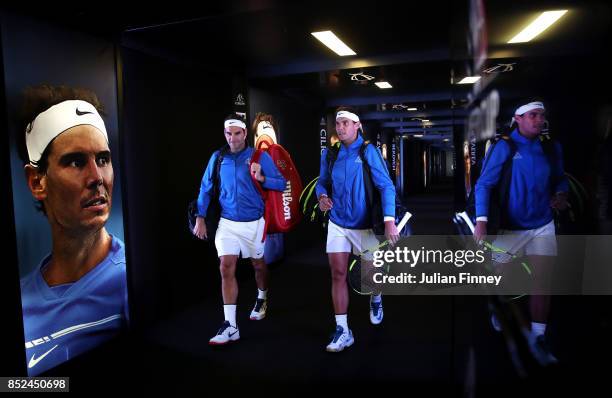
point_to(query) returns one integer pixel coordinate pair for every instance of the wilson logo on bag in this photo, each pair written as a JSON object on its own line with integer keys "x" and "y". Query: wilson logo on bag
{"x": 282, "y": 212}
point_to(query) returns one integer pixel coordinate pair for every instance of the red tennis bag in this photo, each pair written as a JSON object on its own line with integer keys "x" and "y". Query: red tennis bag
{"x": 282, "y": 209}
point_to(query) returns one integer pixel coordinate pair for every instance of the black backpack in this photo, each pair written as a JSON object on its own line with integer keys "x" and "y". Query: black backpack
{"x": 498, "y": 201}
{"x": 213, "y": 213}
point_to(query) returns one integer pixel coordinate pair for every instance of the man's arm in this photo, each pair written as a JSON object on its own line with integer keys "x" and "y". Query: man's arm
{"x": 323, "y": 182}
{"x": 206, "y": 186}
{"x": 382, "y": 182}
{"x": 489, "y": 177}
{"x": 324, "y": 177}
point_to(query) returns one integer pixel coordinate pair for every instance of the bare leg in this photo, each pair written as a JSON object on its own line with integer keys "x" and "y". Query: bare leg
{"x": 261, "y": 273}
{"x": 229, "y": 286}
{"x": 539, "y": 301}
{"x": 338, "y": 263}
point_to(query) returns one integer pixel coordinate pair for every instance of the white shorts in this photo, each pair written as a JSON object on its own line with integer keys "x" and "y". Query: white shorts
{"x": 235, "y": 237}
{"x": 537, "y": 242}
{"x": 341, "y": 240}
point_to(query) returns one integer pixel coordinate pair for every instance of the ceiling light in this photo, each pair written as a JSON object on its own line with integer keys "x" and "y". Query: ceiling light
{"x": 411, "y": 109}
{"x": 469, "y": 80}
{"x": 333, "y": 42}
{"x": 383, "y": 85}
{"x": 418, "y": 135}
{"x": 538, "y": 26}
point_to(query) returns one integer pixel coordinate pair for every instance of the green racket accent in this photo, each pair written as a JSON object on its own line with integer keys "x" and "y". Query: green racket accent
{"x": 308, "y": 192}
{"x": 313, "y": 213}
{"x": 498, "y": 250}
{"x": 368, "y": 251}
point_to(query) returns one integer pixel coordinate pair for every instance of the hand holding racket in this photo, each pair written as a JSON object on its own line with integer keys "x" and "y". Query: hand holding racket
{"x": 354, "y": 274}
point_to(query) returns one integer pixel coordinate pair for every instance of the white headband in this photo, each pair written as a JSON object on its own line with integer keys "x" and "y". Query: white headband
{"x": 57, "y": 119}
{"x": 348, "y": 115}
{"x": 234, "y": 122}
{"x": 521, "y": 110}
{"x": 528, "y": 107}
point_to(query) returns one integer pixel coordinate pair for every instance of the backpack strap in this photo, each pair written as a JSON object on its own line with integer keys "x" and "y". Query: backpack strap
{"x": 222, "y": 152}
{"x": 503, "y": 185}
{"x": 367, "y": 175}
{"x": 331, "y": 156}
{"x": 548, "y": 147}
{"x": 364, "y": 161}
{"x": 373, "y": 197}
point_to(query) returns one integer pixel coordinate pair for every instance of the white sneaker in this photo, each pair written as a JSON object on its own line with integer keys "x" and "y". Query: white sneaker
{"x": 540, "y": 350}
{"x": 341, "y": 340}
{"x": 227, "y": 333}
{"x": 376, "y": 312}
{"x": 259, "y": 311}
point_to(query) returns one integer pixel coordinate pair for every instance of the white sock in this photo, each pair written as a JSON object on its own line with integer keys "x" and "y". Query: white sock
{"x": 230, "y": 313}
{"x": 376, "y": 298}
{"x": 342, "y": 320}
{"x": 537, "y": 329}
{"x": 262, "y": 294}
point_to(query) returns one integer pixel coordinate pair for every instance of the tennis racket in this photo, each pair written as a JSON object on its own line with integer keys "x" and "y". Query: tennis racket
{"x": 354, "y": 269}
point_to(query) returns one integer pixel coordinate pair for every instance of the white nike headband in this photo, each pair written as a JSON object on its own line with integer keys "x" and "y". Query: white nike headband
{"x": 234, "y": 123}
{"x": 348, "y": 115}
{"x": 56, "y": 120}
{"x": 521, "y": 110}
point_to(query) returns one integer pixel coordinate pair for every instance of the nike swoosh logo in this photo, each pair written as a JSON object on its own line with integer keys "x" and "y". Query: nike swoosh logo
{"x": 34, "y": 361}
{"x": 231, "y": 334}
{"x": 80, "y": 113}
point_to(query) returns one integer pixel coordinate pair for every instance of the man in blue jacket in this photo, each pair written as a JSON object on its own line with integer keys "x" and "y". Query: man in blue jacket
{"x": 350, "y": 222}
{"x": 241, "y": 227}
{"x": 536, "y": 187}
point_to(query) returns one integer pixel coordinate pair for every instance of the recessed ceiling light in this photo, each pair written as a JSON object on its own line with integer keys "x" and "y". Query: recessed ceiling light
{"x": 469, "y": 80}
{"x": 539, "y": 25}
{"x": 383, "y": 85}
{"x": 411, "y": 109}
{"x": 333, "y": 42}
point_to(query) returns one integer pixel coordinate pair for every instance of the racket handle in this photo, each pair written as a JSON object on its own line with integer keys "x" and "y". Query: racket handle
{"x": 404, "y": 221}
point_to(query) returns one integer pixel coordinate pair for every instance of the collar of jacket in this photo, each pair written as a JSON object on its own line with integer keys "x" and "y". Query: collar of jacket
{"x": 240, "y": 152}
{"x": 356, "y": 144}
{"x": 518, "y": 137}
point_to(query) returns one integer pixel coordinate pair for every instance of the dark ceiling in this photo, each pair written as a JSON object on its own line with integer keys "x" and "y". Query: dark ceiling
{"x": 416, "y": 46}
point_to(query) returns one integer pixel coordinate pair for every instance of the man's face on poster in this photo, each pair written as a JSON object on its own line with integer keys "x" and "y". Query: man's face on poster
{"x": 76, "y": 189}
